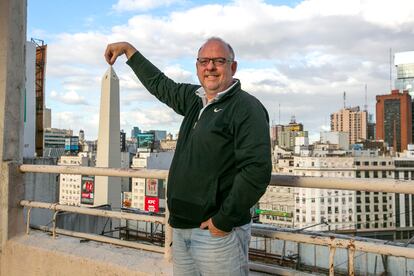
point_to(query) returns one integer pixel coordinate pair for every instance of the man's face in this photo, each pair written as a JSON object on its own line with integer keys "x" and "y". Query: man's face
{"x": 215, "y": 77}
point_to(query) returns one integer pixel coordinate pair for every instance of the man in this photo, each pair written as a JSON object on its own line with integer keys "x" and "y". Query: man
{"x": 221, "y": 165}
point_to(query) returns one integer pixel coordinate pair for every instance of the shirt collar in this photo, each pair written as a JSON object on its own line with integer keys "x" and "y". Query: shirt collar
{"x": 202, "y": 93}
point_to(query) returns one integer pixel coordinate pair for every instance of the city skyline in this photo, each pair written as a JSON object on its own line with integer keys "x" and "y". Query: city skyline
{"x": 301, "y": 55}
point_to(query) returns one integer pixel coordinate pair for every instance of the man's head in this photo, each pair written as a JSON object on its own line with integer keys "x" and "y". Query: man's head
{"x": 215, "y": 66}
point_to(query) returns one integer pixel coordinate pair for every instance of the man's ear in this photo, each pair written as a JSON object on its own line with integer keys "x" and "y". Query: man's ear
{"x": 233, "y": 68}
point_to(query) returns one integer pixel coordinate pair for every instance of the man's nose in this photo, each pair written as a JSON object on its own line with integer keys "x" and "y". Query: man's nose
{"x": 210, "y": 65}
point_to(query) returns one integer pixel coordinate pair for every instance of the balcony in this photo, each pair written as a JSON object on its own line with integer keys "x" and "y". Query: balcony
{"x": 273, "y": 250}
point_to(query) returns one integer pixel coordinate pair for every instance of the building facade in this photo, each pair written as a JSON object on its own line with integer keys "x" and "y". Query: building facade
{"x": 70, "y": 185}
{"x": 394, "y": 119}
{"x": 351, "y": 120}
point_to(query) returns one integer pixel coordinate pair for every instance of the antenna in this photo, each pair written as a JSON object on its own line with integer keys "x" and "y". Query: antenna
{"x": 366, "y": 101}
{"x": 390, "y": 69}
{"x": 279, "y": 113}
{"x": 344, "y": 99}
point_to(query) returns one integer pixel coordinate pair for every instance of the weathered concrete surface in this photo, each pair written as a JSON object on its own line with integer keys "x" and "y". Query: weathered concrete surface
{"x": 11, "y": 192}
{"x": 12, "y": 77}
{"x": 40, "y": 254}
{"x": 12, "y": 85}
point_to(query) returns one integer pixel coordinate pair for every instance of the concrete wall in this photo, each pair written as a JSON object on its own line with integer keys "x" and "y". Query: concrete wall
{"x": 38, "y": 254}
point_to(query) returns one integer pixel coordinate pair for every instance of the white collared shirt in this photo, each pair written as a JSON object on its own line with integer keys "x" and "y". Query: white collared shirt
{"x": 202, "y": 94}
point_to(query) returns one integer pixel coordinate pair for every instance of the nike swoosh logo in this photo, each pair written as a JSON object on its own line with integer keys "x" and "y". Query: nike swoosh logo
{"x": 217, "y": 109}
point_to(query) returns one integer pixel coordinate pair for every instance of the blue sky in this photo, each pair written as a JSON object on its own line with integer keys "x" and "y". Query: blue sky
{"x": 301, "y": 55}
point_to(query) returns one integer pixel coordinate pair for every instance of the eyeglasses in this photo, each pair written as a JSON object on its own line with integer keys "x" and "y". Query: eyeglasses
{"x": 220, "y": 61}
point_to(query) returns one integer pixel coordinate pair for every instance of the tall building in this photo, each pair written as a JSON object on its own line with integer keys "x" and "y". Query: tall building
{"x": 287, "y": 134}
{"x": 108, "y": 189}
{"x": 47, "y": 118}
{"x": 71, "y": 191}
{"x": 149, "y": 194}
{"x": 404, "y": 63}
{"x": 351, "y": 120}
{"x": 135, "y": 131}
{"x": 41, "y": 50}
{"x": 275, "y": 131}
{"x": 394, "y": 119}
{"x": 29, "y": 102}
{"x": 54, "y": 141}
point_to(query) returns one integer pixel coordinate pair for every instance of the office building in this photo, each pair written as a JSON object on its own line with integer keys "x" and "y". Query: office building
{"x": 337, "y": 138}
{"x": 54, "y": 139}
{"x": 351, "y": 120}
{"x": 149, "y": 194}
{"x": 404, "y": 64}
{"x": 71, "y": 190}
{"x": 394, "y": 119}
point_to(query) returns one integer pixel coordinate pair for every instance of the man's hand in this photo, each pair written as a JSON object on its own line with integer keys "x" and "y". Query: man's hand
{"x": 214, "y": 231}
{"x": 114, "y": 50}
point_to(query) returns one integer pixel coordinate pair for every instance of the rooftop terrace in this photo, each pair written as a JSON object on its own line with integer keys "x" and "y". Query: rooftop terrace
{"x": 54, "y": 251}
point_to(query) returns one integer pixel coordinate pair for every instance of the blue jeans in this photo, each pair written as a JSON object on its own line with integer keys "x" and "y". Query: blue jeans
{"x": 196, "y": 252}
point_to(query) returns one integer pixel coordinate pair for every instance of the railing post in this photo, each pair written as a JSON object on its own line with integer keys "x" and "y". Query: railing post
{"x": 29, "y": 210}
{"x": 332, "y": 260}
{"x": 168, "y": 229}
{"x": 351, "y": 257}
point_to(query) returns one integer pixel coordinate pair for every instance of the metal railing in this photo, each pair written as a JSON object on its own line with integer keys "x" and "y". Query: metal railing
{"x": 332, "y": 241}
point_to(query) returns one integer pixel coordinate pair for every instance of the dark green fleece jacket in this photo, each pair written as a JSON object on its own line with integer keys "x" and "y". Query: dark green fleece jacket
{"x": 222, "y": 164}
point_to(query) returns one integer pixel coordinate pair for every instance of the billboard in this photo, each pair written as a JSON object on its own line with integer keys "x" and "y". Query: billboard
{"x": 274, "y": 213}
{"x": 152, "y": 204}
{"x": 151, "y": 187}
{"x": 87, "y": 189}
{"x": 145, "y": 140}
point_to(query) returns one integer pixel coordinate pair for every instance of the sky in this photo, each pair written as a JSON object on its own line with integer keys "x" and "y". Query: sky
{"x": 297, "y": 57}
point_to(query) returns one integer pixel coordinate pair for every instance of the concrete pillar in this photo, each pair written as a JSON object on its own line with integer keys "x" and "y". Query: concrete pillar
{"x": 12, "y": 85}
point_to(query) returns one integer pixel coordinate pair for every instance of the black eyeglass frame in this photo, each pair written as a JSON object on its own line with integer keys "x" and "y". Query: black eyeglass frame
{"x": 218, "y": 61}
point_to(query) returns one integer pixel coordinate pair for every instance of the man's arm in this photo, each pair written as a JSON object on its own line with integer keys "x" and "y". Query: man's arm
{"x": 178, "y": 96}
{"x": 253, "y": 161}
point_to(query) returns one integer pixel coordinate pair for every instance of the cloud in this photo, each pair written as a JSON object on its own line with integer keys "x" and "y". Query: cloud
{"x": 302, "y": 57}
{"x": 70, "y": 97}
{"x": 142, "y": 5}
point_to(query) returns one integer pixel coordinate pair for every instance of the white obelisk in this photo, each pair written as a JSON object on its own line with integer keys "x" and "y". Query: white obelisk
{"x": 108, "y": 189}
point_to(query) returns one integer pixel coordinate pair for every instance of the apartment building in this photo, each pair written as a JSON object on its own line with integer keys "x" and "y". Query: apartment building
{"x": 71, "y": 191}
